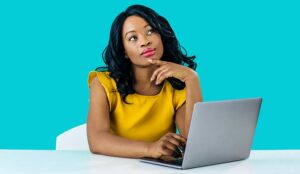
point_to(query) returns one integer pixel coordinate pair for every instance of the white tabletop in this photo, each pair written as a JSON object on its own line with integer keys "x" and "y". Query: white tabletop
{"x": 49, "y": 161}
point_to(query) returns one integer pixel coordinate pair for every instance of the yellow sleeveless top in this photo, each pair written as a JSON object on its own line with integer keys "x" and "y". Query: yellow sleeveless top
{"x": 148, "y": 117}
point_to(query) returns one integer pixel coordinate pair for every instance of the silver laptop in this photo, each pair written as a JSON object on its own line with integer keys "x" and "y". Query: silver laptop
{"x": 220, "y": 132}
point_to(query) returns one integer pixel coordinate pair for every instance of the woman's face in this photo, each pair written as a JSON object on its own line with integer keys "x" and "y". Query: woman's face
{"x": 140, "y": 41}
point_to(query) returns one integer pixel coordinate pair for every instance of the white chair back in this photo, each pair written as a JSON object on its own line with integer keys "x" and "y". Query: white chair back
{"x": 73, "y": 139}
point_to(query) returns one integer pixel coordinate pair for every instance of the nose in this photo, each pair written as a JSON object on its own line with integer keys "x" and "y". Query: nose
{"x": 145, "y": 42}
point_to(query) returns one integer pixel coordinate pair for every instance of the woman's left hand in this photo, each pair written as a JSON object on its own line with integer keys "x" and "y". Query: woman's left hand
{"x": 170, "y": 69}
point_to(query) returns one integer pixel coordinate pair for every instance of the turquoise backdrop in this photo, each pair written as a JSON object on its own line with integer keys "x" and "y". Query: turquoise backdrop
{"x": 243, "y": 48}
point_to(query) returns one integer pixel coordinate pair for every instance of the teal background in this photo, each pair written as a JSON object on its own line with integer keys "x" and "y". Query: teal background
{"x": 243, "y": 48}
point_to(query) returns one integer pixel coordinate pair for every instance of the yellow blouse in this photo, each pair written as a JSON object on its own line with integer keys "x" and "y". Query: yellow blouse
{"x": 149, "y": 117}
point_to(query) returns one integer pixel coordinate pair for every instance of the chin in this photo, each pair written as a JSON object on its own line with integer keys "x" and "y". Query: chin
{"x": 154, "y": 58}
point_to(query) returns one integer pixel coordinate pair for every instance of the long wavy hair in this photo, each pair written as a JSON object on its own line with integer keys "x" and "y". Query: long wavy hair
{"x": 120, "y": 67}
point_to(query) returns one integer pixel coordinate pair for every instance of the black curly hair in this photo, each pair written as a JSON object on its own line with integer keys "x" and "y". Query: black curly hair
{"x": 120, "y": 68}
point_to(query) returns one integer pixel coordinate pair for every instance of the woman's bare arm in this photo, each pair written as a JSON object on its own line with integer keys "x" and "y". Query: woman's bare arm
{"x": 184, "y": 113}
{"x": 193, "y": 92}
{"x": 193, "y": 95}
{"x": 101, "y": 141}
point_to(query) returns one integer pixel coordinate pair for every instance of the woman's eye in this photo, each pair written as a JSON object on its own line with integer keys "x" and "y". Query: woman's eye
{"x": 150, "y": 32}
{"x": 132, "y": 38}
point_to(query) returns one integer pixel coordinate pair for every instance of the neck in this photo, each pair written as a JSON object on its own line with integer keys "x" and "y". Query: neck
{"x": 142, "y": 76}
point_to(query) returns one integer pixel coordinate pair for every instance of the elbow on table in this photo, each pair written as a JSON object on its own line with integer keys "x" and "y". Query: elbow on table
{"x": 95, "y": 146}
{"x": 96, "y": 149}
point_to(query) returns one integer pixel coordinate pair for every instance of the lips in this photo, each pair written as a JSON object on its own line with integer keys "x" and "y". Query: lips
{"x": 148, "y": 52}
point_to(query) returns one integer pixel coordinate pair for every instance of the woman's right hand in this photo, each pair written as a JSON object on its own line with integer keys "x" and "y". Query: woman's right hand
{"x": 166, "y": 145}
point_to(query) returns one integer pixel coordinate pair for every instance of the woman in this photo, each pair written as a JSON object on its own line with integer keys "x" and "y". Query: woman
{"x": 145, "y": 91}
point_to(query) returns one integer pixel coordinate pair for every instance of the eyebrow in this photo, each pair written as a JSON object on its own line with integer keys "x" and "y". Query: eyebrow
{"x": 134, "y": 30}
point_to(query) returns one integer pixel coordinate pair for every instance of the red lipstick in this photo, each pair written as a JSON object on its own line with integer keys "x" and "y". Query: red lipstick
{"x": 148, "y": 52}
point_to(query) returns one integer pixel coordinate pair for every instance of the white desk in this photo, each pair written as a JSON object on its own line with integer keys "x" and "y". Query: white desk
{"x": 47, "y": 161}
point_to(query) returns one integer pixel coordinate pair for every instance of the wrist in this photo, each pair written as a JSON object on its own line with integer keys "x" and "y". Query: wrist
{"x": 147, "y": 148}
